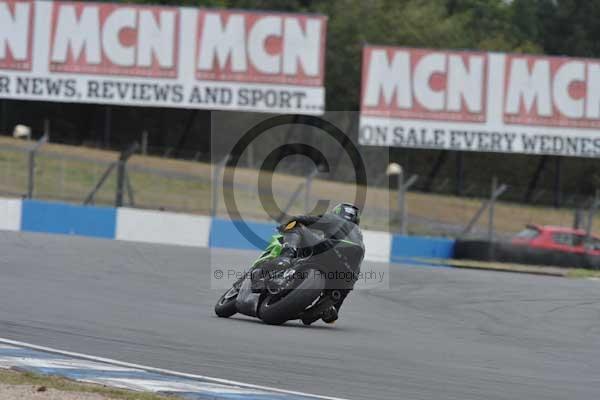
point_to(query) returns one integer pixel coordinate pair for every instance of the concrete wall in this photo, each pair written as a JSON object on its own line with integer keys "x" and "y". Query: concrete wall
{"x": 68, "y": 219}
{"x": 404, "y": 247}
{"x": 162, "y": 227}
{"x": 227, "y": 234}
{"x": 10, "y": 214}
{"x": 377, "y": 246}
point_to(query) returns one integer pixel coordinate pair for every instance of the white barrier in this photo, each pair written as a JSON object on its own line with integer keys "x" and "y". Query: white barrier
{"x": 162, "y": 227}
{"x": 377, "y": 246}
{"x": 10, "y": 214}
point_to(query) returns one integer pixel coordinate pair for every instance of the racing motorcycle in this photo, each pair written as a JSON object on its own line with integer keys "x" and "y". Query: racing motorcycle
{"x": 304, "y": 291}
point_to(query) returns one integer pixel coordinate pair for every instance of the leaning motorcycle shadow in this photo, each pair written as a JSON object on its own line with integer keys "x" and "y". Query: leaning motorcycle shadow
{"x": 293, "y": 324}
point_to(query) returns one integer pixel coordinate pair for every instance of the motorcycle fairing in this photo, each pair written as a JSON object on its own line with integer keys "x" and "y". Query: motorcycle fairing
{"x": 273, "y": 250}
{"x": 247, "y": 302}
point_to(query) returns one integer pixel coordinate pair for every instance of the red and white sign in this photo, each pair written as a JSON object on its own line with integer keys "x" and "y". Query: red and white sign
{"x": 162, "y": 56}
{"x": 16, "y": 31}
{"x": 422, "y": 84}
{"x": 270, "y": 48}
{"x": 114, "y": 39}
{"x": 480, "y": 101}
{"x": 557, "y": 91}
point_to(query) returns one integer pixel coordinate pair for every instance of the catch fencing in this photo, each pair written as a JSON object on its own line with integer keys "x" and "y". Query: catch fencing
{"x": 72, "y": 173}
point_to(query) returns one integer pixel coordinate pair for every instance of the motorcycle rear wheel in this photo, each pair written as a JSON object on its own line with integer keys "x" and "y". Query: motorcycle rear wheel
{"x": 275, "y": 310}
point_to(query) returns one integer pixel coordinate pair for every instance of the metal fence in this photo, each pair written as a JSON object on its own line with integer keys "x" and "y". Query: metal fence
{"x": 72, "y": 174}
{"x": 72, "y": 178}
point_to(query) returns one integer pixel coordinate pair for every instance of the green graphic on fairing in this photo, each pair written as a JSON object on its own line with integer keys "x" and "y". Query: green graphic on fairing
{"x": 272, "y": 251}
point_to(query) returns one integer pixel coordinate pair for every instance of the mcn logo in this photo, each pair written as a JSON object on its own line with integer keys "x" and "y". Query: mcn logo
{"x": 422, "y": 84}
{"x": 555, "y": 91}
{"x": 455, "y": 86}
{"x": 257, "y": 47}
{"x": 111, "y": 39}
{"x": 16, "y": 22}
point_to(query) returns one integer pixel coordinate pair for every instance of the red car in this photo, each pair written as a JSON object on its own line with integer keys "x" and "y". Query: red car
{"x": 558, "y": 238}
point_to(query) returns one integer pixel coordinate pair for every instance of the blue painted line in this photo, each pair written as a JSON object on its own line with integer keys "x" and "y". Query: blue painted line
{"x": 76, "y": 373}
{"x": 26, "y": 353}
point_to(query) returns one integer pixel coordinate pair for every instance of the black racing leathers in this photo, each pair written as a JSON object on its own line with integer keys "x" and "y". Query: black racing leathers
{"x": 341, "y": 240}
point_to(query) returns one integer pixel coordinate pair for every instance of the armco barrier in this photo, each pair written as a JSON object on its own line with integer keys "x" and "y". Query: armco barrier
{"x": 50, "y": 217}
{"x": 189, "y": 230}
{"x": 404, "y": 247}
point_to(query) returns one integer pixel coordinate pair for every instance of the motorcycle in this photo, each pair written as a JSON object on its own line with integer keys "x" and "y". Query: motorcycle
{"x": 305, "y": 290}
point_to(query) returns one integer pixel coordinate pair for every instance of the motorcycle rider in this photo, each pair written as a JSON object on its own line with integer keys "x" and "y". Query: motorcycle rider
{"x": 340, "y": 224}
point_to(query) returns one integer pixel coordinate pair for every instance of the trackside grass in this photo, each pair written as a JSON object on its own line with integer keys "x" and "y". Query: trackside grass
{"x": 29, "y": 386}
{"x": 520, "y": 268}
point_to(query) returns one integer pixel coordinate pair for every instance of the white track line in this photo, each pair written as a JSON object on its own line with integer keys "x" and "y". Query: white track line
{"x": 164, "y": 371}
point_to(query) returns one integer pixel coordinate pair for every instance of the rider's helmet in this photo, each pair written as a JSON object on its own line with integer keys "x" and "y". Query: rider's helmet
{"x": 347, "y": 211}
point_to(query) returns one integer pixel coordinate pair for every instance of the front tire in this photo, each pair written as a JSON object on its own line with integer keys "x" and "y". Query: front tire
{"x": 225, "y": 307}
{"x": 276, "y": 311}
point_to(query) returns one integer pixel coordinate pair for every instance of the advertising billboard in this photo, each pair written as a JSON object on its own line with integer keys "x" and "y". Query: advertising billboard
{"x": 476, "y": 101}
{"x": 141, "y": 55}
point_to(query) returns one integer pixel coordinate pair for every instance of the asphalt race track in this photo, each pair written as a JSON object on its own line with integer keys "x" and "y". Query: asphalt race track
{"x": 436, "y": 333}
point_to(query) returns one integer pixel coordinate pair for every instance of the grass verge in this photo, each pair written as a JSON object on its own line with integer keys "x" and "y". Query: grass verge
{"x": 18, "y": 378}
{"x": 519, "y": 268}
{"x": 583, "y": 273}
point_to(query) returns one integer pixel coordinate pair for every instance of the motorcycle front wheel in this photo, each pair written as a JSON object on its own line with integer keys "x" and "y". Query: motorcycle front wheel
{"x": 225, "y": 307}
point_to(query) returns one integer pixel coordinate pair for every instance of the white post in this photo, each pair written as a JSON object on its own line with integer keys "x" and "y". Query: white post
{"x": 395, "y": 169}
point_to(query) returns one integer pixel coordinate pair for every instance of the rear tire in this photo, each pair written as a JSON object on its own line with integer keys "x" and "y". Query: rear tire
{"x": 225, "y": 307}
{"x": 275, "y": 311}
